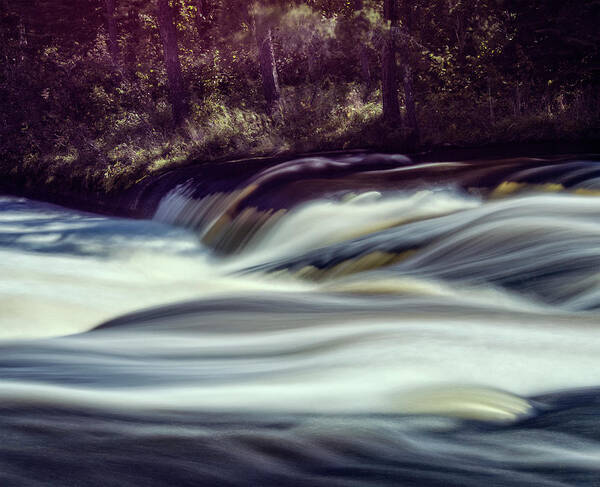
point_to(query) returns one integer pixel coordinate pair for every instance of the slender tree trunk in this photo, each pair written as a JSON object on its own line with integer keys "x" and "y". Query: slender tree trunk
{"x": 4, "y": 35}
{"x": 411, "y": 124}
{"x": 389, "y": 81}
{"x": 365, "y": 68}
{"x": 203, "y": 23}
{"x": 131, "y": 26}
{"x": 111, "y": 23}
{"x": 365, "y": 71}
{"x": 461, "y": 38}
{"x": 490, "y": 101}
{"x": 517, "y": 99}
{"x": 22, "y": 41}
{"x": 409, "y": 99}
{"x": 314, "y": 66}
{"x": 201, "y": 17}
{"x": 266, "y": 58}
{"x": 168, "y": 33}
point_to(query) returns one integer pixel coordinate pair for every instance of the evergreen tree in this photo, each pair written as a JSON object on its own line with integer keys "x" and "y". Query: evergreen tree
{"x": 168, "y": 33}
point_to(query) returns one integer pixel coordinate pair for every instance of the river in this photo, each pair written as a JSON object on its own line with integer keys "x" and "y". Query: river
{"x": 319, "y": 322}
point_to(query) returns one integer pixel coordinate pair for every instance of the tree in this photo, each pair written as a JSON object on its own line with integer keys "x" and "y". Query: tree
{"x": 365, "y": 68}
{"x": 168, "y": 33}
{"x": 202, "y": 15}
{"x": 389, "y": 82}
{"x": 353, "y": 32}
{"x": 410, "y": 119}
{"x": 111, "y": 23}
{"x": 266, "y": 58}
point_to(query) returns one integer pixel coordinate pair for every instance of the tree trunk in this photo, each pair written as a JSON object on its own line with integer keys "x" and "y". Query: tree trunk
{"x": 111, "y": 23}
{"x": 490, "y": 101}
{"x": 365, "y": 71}
{"x": 517, "y": 109}
{"x": 411, "y": 124}
{"x": 389, "y": 82}
{"x": 365, "y": 68}
{"x": 168, "y": 33}
{"x": 201, "y": 17}
{"x": 22, "y": 41}
{"x": 266, "y": 58}
{"x": 132, "y": 27}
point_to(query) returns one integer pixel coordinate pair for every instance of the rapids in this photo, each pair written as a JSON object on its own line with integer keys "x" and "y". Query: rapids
{"x": 382, "y": 322}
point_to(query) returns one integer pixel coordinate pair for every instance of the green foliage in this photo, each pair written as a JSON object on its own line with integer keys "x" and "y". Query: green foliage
{"x": 484, "y": 71}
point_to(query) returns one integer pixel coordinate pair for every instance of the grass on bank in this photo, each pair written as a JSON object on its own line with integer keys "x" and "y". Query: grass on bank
{"x": 122, "y": 146}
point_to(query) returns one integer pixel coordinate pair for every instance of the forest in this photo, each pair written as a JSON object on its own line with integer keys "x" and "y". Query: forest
{"x": 98, "y": 94}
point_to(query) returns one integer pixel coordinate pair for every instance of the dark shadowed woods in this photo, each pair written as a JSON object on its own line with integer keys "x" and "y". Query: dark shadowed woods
{"x": 97, "y": 94}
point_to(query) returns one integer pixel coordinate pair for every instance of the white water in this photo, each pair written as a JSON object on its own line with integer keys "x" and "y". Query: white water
{"x": 346, "y": 364}
{"x": 417, "y": 342}
{"x": 320, "y": 223}
{"x": 65, "y": 272}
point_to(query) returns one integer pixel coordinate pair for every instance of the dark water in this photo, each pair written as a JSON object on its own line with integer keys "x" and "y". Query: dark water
{"x": 358, "y": 320}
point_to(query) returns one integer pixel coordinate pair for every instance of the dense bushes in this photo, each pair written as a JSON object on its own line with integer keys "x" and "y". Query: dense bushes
{"x": 69, "y": 115}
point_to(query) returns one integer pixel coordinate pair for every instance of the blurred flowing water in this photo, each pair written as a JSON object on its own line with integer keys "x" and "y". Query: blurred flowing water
{"x": 351, "y": 320}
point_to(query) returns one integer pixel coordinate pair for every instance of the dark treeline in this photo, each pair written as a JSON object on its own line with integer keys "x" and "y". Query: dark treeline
{"x": 96, "y": 93}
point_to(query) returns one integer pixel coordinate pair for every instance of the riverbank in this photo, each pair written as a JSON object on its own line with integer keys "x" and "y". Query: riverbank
{"x": 79, "y": 190}
{"x": 140, "y": 197}
{"x": 92, "y": 103}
